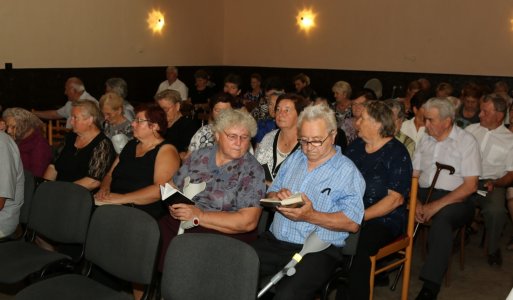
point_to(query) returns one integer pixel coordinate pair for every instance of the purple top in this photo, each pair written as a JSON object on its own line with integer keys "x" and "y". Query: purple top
{"x": 237, "y": 184}
{"x": 35, "y": 153}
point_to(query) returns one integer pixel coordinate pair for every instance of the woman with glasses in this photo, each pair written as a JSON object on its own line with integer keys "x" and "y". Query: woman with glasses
{"x": 231, "y": 180}
{"x": 145, "y": 162}
{"x": 386, "y": 167}
{"x": 279, "y": 143}
{"x": 87, "y": 153}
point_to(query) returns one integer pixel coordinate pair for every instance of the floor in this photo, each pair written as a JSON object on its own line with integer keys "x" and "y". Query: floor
{"x": 477, "y": 281}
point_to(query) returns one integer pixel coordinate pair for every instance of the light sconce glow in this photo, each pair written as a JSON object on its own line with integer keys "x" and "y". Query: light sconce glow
{"x": 156, "y": 21}
{"x": 306, "y": 19}
{"x": 511, "y": 21}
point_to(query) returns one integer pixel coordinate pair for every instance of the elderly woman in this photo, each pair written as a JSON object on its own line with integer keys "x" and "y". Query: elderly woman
{"x": 87, "y": 154}
{"x": 386, "y": 167}
{"x": 279, "y": 143}
{"x": 115, "y": 125}
{"x": 302, "y": 85}
{"x": 343, "y": 112}
{"x": 179, "y": 128}
{"x": 399, "y": 116}
{"x": 25, "y": 128}
{"x": 229, "y": 204}
{"x": 146, "y": 162}
{"x": 204, "y": 137}
{"x": 119, "y": 86}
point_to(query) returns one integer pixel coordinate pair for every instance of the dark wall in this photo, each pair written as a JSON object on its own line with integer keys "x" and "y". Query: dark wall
{"x": 44, "y": 88}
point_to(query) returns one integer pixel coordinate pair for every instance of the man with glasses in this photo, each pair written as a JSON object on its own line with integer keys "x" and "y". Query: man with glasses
{"x": 332, "y": 189}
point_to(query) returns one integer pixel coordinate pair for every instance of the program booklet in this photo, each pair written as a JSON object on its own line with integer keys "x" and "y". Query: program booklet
{"x": 293, "y": 201}
{"x": 171, "y": 196}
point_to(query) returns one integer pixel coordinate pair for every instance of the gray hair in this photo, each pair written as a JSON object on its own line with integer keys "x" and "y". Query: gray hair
{"x": 316, "y": 112}
{"x": 118, "y": 86}
{"x": 112, "y": 100}
{"x": 499, "y": 103}
{"x": 170, "y": 96}
{"x": 443, "y": 105}
{"x": 77, "y": 84}
{"x": 25, "y": 120}
{"x": 382, "y": 114}
{"x": 234, "y": 117}
{"x": 342, "y": 87}
{"x": 90, "y": 109}
{"x": 172, "y": 69}
{"x": 397, "y": 106}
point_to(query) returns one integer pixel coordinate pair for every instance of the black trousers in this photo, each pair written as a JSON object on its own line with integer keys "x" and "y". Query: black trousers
{"x": 311, "y": 272}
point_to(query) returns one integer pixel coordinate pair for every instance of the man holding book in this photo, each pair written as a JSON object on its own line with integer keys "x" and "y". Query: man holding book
{"x": 331, "y": 188}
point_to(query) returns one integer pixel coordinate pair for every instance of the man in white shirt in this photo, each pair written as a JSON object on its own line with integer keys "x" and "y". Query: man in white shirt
{"x": 448, "y": 208}
{"x": 173, "y": 83}
{"x": 12, "y": 183}
{"x": 496, "y": 145}
{"x": 74, "y": 89}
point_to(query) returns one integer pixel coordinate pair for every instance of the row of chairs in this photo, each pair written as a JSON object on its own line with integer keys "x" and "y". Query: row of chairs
{"x": 123, "y": 241}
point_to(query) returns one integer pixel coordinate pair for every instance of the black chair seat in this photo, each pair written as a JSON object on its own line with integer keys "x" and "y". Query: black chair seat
{"x": 30, "y": 257}
{"x": 72, "y": 286}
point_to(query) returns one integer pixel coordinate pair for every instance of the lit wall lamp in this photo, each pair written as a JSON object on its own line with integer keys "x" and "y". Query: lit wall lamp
{"x": 306, "y": 19}
{"x": 156, "y": 21}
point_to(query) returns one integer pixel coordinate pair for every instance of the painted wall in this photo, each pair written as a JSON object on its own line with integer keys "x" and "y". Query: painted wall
{"x": 433, "y": 36}
{"x": 97, "y": 33}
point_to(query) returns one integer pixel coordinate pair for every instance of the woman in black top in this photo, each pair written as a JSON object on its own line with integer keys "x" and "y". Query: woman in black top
{"x": 87, "y": 154}
{"x": 144, "y": 164}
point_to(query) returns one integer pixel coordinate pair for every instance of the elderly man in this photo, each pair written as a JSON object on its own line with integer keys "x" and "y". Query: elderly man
{"x": 73, "y": 89}
{"x": 173, "y": 83}
{"x": 332, "y": 189}
{"x": 11, "y": 185}
{"x": 496, "y": 144}
{"x": 448, "y": 208}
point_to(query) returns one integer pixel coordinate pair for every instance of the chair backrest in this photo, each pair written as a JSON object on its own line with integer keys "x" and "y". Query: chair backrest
{"x": 61, "y": 211}
{"x": 412, "y": 205}
{"x": 209, "y": 266}
{"x": 123, "y": 241}
{"x": 28, "y": 195}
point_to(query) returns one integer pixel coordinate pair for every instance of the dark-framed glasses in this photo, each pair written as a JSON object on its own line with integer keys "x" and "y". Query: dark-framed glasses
{"x": 304, "y": 142}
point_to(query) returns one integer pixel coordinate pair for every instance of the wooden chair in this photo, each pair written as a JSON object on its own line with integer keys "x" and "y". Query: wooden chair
{"x": 56, "y": 131}
{"x": 403, "y": 246}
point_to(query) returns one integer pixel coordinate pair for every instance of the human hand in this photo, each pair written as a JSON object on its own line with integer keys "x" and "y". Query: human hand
{"x": 419, "y": 212}
{"x": 283, "y": 194}
{"x": 102, "y": 194}
{"x": 185, "y": 212}
{"x": 300, "y": 213}
{"x": 489, "y": 185}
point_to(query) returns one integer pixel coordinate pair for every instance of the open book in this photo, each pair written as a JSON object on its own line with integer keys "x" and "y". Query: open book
{"x": 171, "y": 196}
{"x": 294, "y": 200}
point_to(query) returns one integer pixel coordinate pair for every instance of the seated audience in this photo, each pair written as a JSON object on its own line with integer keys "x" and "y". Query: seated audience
{"x": 496, "y": 144}
{"x": 115, "y": 122}
{"x": 11, "y": 185}
{"x": 469, "y": 110}
{"x": 120, "y": 87}
{"x": 414, "y": 128}
{"x": 448, "y": 208}
{"x": 386, "y": 167}
{"x": 280, "y": 143}
{"x": 201, "y": 93}
{"x": 173, "y": 83}
{"x": 87, "y": 154}
{"x": 179, "y": 128}
{"x": 332, "y": 189}
{"x": 399, "y": 115}
{"x": 265, "y": 114}
{"x": 229, "y": 204}
{"x": 411, "y": 90}
{"x": 356, "y": 111}
{"x": 302, "y": 86}
{"x": 253, "y": 96}
{"x": 205, "y": 137}
{"x": 74, "y": 90}
{"x": 343, "y": 112}
{"x": 443, "y": 90}
{"x": 146, "y": 162}
{"x": 232, "y": 84}
{"x": 25, "y": 128}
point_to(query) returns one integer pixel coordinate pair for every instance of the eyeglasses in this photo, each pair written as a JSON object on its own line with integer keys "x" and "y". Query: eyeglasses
{"x": 233, "y": 137}
{"x": 139, "y": 120}
{"x": 285, "y": 110}
{"x": 304, "y": 143}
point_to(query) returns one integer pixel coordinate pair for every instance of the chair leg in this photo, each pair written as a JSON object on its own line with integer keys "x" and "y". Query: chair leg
{"x": 372, "y": 270}
{"x": 463, "y": 231}
{"x": 407, "y": 272}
